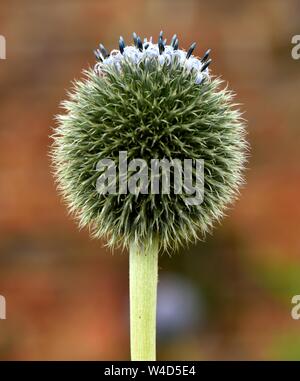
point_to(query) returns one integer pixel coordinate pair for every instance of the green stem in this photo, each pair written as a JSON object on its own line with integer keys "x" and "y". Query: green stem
{"x": 143, "y": 269}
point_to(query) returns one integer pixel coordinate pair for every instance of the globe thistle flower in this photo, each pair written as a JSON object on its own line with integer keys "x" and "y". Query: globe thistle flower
{"x": 152, "y": 100}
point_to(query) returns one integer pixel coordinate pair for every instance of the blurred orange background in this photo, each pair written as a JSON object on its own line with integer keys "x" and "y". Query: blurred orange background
{"x": 226, "y": 298}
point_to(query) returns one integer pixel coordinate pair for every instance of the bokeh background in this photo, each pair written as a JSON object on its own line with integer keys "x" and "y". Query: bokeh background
{"x": 227, "y": 298}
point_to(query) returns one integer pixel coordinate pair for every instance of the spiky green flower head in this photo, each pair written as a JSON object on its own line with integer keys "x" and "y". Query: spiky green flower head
{"x": 154, "y": 101}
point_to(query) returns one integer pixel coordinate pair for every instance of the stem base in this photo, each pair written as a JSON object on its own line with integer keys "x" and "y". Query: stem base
{"x": 143, "y": 274}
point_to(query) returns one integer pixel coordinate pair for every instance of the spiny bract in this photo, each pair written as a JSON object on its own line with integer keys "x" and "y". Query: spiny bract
{"x": 153, "y": 101}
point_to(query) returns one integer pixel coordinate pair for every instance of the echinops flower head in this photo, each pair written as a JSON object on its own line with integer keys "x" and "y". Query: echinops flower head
{"x": 152, "y": 101}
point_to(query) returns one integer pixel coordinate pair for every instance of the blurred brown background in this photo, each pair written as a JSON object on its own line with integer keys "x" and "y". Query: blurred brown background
{"x": 227, "y": 298}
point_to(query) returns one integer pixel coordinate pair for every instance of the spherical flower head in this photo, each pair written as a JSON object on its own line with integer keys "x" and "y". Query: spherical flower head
{"x": 152, "y": 101}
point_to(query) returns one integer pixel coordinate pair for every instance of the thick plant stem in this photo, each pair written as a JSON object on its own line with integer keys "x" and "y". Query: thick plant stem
{"x": 143, "y": 273}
